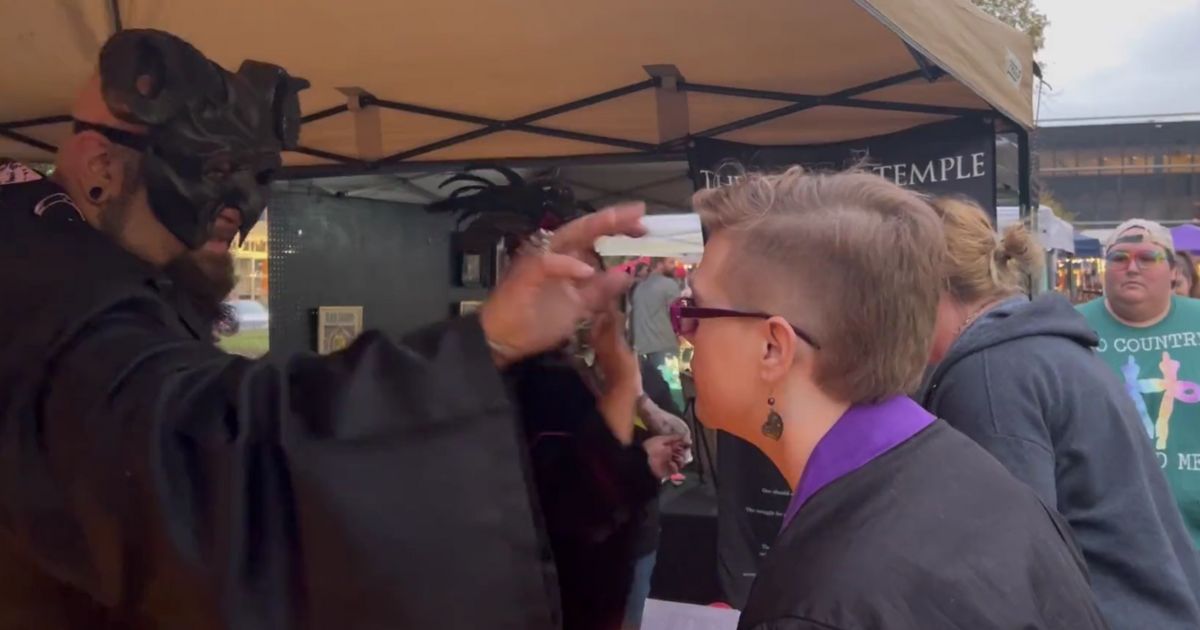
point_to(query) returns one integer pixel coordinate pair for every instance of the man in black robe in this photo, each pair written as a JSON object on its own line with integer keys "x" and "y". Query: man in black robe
{"x": 149, "y": 480}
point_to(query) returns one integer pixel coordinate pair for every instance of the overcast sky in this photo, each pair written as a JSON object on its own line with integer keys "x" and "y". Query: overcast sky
{"x": 1121, "y": 57}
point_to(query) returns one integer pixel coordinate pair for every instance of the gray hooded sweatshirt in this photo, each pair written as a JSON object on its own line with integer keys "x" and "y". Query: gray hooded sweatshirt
{"x": 1023, "y": 381}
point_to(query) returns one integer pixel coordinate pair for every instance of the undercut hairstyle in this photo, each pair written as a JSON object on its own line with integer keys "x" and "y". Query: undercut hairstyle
{"x": 980, "y": 264}
{"x": 851, "y": 258}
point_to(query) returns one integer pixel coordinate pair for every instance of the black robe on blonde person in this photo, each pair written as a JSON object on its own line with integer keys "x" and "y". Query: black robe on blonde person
{"x": 149, "y": 480}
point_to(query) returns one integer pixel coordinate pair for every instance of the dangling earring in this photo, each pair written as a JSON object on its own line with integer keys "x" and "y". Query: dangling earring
{"x": 773, "y": 427}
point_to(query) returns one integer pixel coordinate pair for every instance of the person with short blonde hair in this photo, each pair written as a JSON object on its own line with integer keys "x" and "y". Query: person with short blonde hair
{"x": 873, "y": 226}
{"x": 811, "y": 317}
{"x": 1020, "y": 377}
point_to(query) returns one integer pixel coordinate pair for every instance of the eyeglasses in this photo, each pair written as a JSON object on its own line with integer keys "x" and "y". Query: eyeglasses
{"x": 686, "y": 316}
{"x": 1145, "y": 258}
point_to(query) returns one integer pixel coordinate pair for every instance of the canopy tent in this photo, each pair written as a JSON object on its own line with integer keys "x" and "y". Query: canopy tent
{"x": 1087, "y": 246}
{"x": 408, "y": 85}
{"x": 1187, "y": 238}
{"x": 1053, "y": 232}
{"x": 1100, "y": 234}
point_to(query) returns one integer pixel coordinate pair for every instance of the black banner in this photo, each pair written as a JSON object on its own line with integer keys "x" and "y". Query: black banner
{"x": 955, "y": 157}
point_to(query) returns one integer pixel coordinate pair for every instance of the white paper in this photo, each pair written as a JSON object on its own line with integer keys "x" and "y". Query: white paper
{"x": 664, "y": 615}
{"x": 1012, "y": 67}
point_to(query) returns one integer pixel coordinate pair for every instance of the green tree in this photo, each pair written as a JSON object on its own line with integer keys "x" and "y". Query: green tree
{"x": 1021, "y": 15}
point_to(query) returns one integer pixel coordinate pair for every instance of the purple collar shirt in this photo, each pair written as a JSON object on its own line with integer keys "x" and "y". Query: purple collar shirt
{"x": 862, "y": 434}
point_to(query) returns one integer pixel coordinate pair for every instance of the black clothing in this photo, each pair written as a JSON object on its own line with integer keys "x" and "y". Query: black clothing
{"x": 645, "y": 541}
{"x": 149, "y": 480}
{"x": 594, "y": 491}
{"x": 1024, "y": 383}
{"x": 931, "y": 535}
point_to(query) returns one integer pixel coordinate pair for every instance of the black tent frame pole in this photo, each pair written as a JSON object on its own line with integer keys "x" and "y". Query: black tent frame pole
{"x": 1024, "y": 175}
{"x": 521, "y": 123}
{"x": 324, "y": 113}
{"x": 316, "y": 171}
{"x": 114, "y": 11}
{"x": 9, "y": 130}
{"x": 803, "y": 102}
{"x": 929, "y": 70}
{"x": 1027, "y": 212}
{"x": 24, "y": 139}
{"x": 328, "y": 155}
{"x": 35, "y": 122}
{"x": 833, "y": 99}
{"x": 632, "y": 150}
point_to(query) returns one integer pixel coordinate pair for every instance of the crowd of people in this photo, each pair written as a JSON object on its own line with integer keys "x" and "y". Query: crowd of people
{"x": 1022, "y": 379}
{"x": 961, "y": 456}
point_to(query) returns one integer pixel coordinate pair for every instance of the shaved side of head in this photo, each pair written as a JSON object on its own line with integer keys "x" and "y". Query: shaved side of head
{"x": 849, "y": 257}
{"x": 105, "y": 180}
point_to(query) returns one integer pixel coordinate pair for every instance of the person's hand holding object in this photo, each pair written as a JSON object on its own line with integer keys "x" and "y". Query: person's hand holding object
{"x": 664, "y": 453}
{"x": 545, "y": 295}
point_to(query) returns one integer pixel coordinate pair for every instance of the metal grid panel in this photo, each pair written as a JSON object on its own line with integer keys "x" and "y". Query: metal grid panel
{"x": 392, "y": 259}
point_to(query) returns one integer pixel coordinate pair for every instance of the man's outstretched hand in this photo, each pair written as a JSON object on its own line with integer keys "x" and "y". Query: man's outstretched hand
{"x": 544, "y": 297}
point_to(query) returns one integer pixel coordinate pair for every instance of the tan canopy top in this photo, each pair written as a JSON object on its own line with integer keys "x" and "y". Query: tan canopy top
{"x": 437, "y": 81}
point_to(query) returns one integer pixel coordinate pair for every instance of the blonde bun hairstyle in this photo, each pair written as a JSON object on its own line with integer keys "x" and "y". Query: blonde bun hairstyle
{"x": 981, "y": 264}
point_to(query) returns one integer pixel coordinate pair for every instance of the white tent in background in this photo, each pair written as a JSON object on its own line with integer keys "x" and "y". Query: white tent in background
{"x": 1053, "y": 232}
{"x": 1100, "y": 234}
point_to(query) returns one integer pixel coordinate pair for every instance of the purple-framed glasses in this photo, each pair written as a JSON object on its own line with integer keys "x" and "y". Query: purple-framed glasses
{"x": 686, "y": 316}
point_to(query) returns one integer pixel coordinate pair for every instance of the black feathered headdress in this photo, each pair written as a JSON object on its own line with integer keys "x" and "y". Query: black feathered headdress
{"x": 513, "y": 209}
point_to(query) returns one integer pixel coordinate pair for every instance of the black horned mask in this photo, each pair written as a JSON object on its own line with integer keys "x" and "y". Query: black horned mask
{"x": 215, "y": 137}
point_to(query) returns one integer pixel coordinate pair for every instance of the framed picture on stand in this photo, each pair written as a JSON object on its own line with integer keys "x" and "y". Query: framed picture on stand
{"x": 478, "y": 259}
{"x": 471, "y": 271}
{"x": 338, "y": 327}
{"x": 466, "y": 307}
{"x": 500, "y": 262}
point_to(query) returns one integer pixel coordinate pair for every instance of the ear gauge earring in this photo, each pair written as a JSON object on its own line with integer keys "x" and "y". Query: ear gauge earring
{"x": 94, "y": 192}
{"x": 773, "y": 427}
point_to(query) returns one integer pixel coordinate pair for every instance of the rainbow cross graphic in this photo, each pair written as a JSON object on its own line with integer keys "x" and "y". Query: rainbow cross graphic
{"x": 1172, "y": 389}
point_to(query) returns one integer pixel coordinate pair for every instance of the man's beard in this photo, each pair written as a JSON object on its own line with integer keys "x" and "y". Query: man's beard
{"x": 205, "y": 278}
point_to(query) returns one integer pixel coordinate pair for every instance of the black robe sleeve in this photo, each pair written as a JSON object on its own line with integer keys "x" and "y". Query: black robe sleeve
{"x": 384, "y": 486}
{"x": 594, "y": 491}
